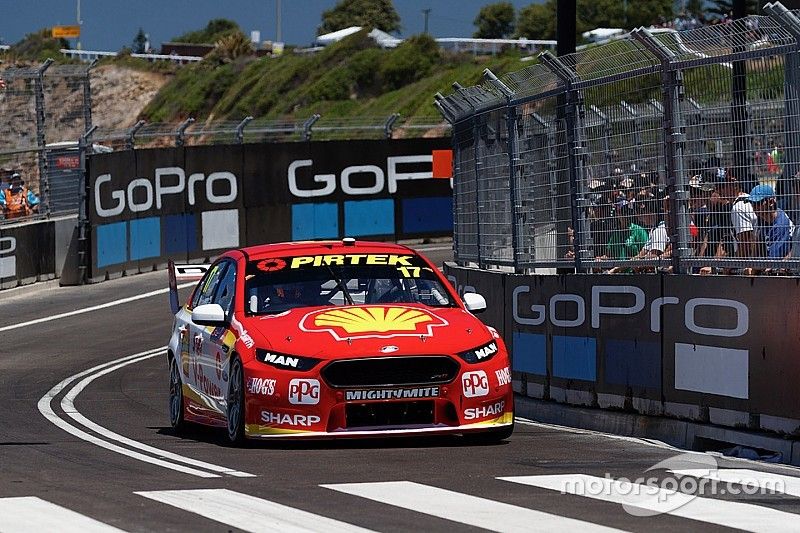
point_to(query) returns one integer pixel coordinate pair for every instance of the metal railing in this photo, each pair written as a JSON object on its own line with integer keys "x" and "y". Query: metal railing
{"x": 636, "y": 155}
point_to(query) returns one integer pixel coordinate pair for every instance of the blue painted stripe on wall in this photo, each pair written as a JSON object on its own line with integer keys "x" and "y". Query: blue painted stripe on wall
{"x": 632, "y": 363}
{"x": 427, "y": 214}
{"x": 112, "y": 244}
{"x": 368, "y": 217}
{"x": 575, "y": 357}
{"x": 180, "y": 234}
{"x": 145, "y": 236}
{"x": 315, "y": 221}
{"x": 529, "y": 353}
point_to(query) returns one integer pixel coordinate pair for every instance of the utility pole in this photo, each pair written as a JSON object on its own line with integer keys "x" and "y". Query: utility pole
{"x": 278, "y": 21}
{"x": 425, "y": 13}
{"x": 80, "y": 24}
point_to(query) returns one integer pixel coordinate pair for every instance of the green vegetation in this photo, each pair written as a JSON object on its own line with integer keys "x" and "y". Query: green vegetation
{"x": 369, "y": 14}
{"x": 38, "y": 46}
{"x": 214, "y": 31}
{"x": 352, "y": 78}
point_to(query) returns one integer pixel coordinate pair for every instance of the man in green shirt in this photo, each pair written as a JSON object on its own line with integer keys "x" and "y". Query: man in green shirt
{"x": 625, "y": 241}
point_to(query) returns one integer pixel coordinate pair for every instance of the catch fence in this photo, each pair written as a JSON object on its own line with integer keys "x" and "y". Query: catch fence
{"x": 636, "y": 155}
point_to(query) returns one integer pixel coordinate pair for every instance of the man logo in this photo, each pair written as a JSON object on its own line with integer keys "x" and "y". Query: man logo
{"x": 8, "y": 262}
{"x": 475, "y": 384}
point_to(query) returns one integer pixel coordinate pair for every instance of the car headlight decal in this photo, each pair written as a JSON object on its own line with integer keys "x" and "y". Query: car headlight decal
{"x": 480, "y": 354}
{"x": 286, "y": 362}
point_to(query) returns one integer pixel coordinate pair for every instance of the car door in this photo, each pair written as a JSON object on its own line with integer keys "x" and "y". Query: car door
{"x": 200, "y": 373}
{"x": 217, "y": 343}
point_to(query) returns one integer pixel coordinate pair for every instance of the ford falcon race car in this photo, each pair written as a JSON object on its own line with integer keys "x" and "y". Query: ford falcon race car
{"x": 334, "y": 339}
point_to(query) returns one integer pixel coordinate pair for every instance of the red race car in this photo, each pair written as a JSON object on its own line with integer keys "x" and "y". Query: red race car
{"x": 334, "y": 339}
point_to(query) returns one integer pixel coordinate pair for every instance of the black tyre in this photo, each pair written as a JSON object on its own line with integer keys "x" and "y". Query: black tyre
{"x": 491, "y": 436}
{"x": 176, "y": 397}
{"x": 236, "y": 405}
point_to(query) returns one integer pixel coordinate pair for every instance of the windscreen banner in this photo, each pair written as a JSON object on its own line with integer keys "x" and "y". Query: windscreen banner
{"x": 148, "y": 206}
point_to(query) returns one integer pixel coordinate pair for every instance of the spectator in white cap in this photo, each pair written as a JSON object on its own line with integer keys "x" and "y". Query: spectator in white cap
{"x": 776, "y": 226}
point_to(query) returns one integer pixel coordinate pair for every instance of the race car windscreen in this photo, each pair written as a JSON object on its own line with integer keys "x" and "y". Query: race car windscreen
{"x": 278, "y": 284}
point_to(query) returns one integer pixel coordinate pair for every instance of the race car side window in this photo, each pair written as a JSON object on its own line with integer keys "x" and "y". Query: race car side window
{"x": 204, "y": 294}
{"x": 226, "y": 290}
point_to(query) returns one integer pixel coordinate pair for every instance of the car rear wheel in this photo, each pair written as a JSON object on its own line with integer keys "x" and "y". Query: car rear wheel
{"x": 175, "y": 397}
{"x": 235, "y": 401}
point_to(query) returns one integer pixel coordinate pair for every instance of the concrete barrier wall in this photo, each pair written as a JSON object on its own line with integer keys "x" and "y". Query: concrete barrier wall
{"x": 722, "y": 350}
{"x": 35, "y": 250}
{"x": 148, "y": 206}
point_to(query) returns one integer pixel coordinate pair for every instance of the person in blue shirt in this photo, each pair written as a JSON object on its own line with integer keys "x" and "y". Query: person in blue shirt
{"x": 776, "y": 227}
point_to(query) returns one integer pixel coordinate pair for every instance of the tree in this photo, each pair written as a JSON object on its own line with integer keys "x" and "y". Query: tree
{"x": 214, "y": 31}
{"x": 379, "y": 14}
{"x": 139, "y": 43}
{"x": 495, "y": 21}
{"x": 537, "y": 21}
{"x": 724, "y": 8}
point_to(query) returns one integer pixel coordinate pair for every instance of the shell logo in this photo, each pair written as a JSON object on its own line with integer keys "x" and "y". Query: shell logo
{"x": 372, "y": 321}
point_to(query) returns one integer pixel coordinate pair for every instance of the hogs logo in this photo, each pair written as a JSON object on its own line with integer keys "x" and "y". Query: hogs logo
{"x": 372, "y": 321}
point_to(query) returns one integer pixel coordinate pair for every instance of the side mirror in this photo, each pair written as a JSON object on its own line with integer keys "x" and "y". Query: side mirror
{"x": 474, "y": 302}
{"x": 209, "y": 315}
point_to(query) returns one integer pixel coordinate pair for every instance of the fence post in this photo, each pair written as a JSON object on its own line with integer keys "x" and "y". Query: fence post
{"x": 576, "y": 156}
{"x": 517, "y": 230}
{"x": 389, "y": 124}
{"x": 308, "y": 124}
{"x": 674, "y": 140}
{"x": 240, "y": 129}
{"x": 699, "y": 127}
{"x": 41, "y": 140}
{"x": 552, "y": 166}
{"x": 83, "y": 218}
{"x": 791, "y": 90}
{"x": 131, "y": 133}
{"x": 476, "y": 135}
{"x": 87, "y": 97}
{"x": 181, "y": 131}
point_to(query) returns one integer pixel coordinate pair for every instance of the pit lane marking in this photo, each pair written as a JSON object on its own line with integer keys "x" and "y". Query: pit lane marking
{"x": 162, "y": 458}
{"x": 93, "y": 308}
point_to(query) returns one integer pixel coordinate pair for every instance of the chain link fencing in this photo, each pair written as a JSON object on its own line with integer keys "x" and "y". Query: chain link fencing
{"x": 47, "y": 108}
{"x": 662, "y": 151}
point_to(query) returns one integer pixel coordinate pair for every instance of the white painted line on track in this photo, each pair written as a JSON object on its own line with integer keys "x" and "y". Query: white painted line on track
{"x": 68, "y": 405}
{"x": 789, "y": 485}
{"x": 47, "y": 411}
{"x": 248, "y": 512}
{"x": 33, "y": 515}
{"x": 463, "y": 508}
{"x": 657, "y": 500}
{"x": 92, "y": 308}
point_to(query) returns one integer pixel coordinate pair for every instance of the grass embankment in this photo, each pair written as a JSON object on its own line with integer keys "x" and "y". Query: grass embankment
{"x": 350, "y": 79}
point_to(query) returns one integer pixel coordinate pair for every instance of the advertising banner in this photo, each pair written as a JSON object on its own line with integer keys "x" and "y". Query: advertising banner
{"x": 27, "y": 253}
{"x": 722, "y": 342}
{"x": 148, "y": 206}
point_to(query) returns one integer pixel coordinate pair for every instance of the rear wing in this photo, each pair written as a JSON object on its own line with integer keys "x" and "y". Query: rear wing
{"x": 182, "y": 273}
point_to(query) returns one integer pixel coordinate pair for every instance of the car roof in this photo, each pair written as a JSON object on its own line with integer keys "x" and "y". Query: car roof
{"x": 298, "y": 248}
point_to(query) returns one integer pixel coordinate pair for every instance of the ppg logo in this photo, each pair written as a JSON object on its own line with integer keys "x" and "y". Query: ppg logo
{"x": 8, "y": 262}
{"x": 304, "y": 392}
{"x": 475, "y": 384}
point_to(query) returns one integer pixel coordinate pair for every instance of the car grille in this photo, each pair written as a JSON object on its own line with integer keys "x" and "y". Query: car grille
{"x": 391, "y": 371}
{"x": 376, "y": 414}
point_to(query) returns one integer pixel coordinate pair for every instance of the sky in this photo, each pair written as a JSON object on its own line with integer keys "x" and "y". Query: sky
{"x": 112, "y": 24}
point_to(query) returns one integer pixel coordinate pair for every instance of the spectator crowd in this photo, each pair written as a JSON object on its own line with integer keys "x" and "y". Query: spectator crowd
{"x": 728, "y": 218}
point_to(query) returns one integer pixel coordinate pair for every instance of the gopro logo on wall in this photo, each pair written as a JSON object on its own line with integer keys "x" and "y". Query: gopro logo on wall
{"x": 8, "y": 262}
